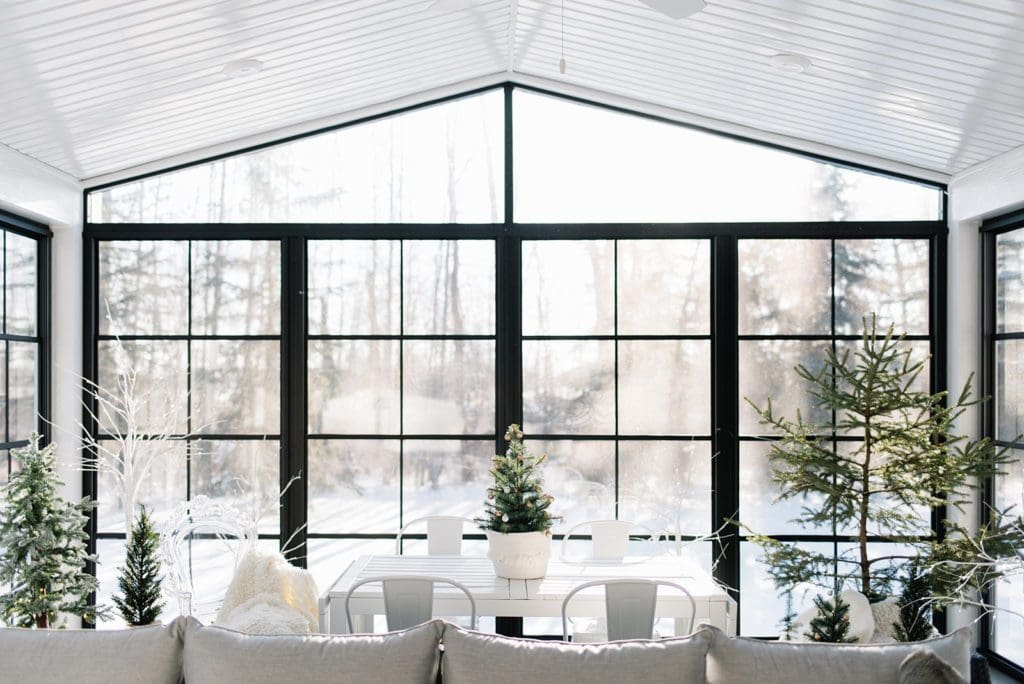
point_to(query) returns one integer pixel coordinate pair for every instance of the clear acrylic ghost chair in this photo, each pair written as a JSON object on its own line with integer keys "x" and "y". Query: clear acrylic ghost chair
{"x": 609, "y": 540}
{"x": 630, "y": 607}
{"x": 444, "y": 534}
{"x": 408, "y": 599}
{"x": 205, "y": 520}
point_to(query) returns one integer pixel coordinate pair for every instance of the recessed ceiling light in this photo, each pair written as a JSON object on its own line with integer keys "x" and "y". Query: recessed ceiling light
{"x": 790, "y": 63}
{"x": 240, "y": 68}
{"x": 676, "y": 9}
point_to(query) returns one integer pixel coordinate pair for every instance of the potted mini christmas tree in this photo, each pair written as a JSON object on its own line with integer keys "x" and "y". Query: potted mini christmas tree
{"x": 140, "y": 601}
{"x": 42, "y": 545}
{"x": 831, "y": 624}
{"x": 517, "y": 519}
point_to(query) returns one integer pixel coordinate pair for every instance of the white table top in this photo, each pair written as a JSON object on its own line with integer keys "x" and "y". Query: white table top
{"x": 562, "y": 576}
{"x": 477, "y": 574}
{"x": 543, "y": 597}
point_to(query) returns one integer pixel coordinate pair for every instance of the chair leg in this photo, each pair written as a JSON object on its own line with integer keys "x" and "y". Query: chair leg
{"x": 362, "y": 624}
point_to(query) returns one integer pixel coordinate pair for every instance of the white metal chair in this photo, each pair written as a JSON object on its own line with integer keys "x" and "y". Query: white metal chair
{"x": 629, "y": 607}
{"x": 609, "y": 539}
{"x": 408, "y": 599}
{"x": 444, "y": 534}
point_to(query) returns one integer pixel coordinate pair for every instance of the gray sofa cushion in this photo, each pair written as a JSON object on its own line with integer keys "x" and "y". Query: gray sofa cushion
{"x": 144, "y": 655}
{"x": 737, "y": 660}
{"x": 214, "y": 655}
{"x": 476, "y": 658}
{"x": 924, "y": 667}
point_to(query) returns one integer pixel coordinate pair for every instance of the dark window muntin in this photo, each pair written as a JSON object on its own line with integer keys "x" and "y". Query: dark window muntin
{"x": 725, "y": 470}
{"x": 188, "y": 337}
{"x": 508, "y": 366}
{"x": 12, "y": 223}
{"x": 401, "y": 436}
{"x": 990, "y": 230}
{"x": 616, "y": 437}
{"x": 936, "y": 322}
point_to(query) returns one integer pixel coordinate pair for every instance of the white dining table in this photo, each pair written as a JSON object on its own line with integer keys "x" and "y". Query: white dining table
{"x": 503, "y": 598}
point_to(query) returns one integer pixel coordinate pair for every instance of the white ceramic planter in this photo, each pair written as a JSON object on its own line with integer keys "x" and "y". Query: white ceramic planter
{"x": 520, "y": 555}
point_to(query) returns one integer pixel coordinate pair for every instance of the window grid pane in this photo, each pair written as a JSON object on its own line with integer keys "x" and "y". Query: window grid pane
{"x": 19, "y": 341}
{"x": 1006, "y": 628}
{"x": 790, "y": 316}
{"x": 208, "y": 313}
{"x": 389, "y": 361}
{"x": 617, "y": 343}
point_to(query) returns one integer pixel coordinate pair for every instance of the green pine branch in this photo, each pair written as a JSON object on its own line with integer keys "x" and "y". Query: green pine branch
{"x": 915, "y": 622}
{"x": 516, "y": 501}
{"x": 906, "y": 458}
{"x": 831, "y": 624}
{"x": 140, "y": 601}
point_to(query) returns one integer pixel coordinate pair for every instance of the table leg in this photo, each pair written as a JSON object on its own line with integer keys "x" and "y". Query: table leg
{"x": 720, "y": 617}
{"x": 337, "y": 624}
{"x": 509, "y": 626}
{"x": 362, "y": 624}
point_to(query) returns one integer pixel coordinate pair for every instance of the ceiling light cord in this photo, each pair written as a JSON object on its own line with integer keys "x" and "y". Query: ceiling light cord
{"x": 561, "y": 62}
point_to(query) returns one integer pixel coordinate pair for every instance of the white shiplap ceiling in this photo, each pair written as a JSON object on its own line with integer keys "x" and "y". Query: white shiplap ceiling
{"x": 101, "y": 87}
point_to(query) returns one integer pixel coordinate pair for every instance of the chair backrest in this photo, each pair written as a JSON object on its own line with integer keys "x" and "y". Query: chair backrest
{"x": 629, "y": 606}
{"x": 216, "y": 522}
{"x": 408, "y": 599}
{"x": 444, "y": 534}
{"x": 610, "y": 538}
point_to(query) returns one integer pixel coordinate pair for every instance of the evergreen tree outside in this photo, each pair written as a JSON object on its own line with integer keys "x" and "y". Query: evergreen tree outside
{"x": 788, "y": 622}
{"x": 915, "y": 607}
{"x": 43, "y": 540}
{"x": 140, "y": 601}
{"x": 516, "y": 502}
{"x": 832, "y": 622}
{"x": 906, "y": 458}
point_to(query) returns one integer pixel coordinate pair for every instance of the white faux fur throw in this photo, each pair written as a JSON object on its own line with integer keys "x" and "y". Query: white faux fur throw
{"x": 268, "y": 595}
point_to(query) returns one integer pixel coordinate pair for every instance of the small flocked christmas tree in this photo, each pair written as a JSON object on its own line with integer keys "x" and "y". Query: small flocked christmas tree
{"x": 915, "y": 607}
{"x": 516, "y": 502}
{"x": 42, "y": 545}
{"x": 140, "y": 602}
{"x": 832, "y": 623}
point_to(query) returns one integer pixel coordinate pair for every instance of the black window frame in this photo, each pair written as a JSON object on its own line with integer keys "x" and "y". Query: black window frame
{"x": 989, "y": 232}
{"x": 508, "y": 236}
{"x": 43, "y": 236}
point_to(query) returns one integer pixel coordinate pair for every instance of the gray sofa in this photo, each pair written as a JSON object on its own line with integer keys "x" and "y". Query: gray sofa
{"x": 205, "y": 655}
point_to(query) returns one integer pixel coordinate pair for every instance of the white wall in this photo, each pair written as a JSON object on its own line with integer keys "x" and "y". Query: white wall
{"x": 989, "y": 189}
{"x": 34, "y": 190}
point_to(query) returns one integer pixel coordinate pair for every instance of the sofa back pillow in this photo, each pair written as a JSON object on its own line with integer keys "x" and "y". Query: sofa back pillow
{"x": 214, "y": 655}
{"x": 475, "y": 658}
{"x": 737, "y": 660}
{"x": 144, "y": 655}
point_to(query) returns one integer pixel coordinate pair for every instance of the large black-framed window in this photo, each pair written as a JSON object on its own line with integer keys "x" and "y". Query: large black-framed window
{"x": 652, "y": 295}
{"x": 616, "y": 373}
{"x": 199, "y": 324}
{"x": 827, "y": 288}
{"x": 24, "y": 335}
{"x": 1003, "y": 415}
{"x": 401, "y": 382}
